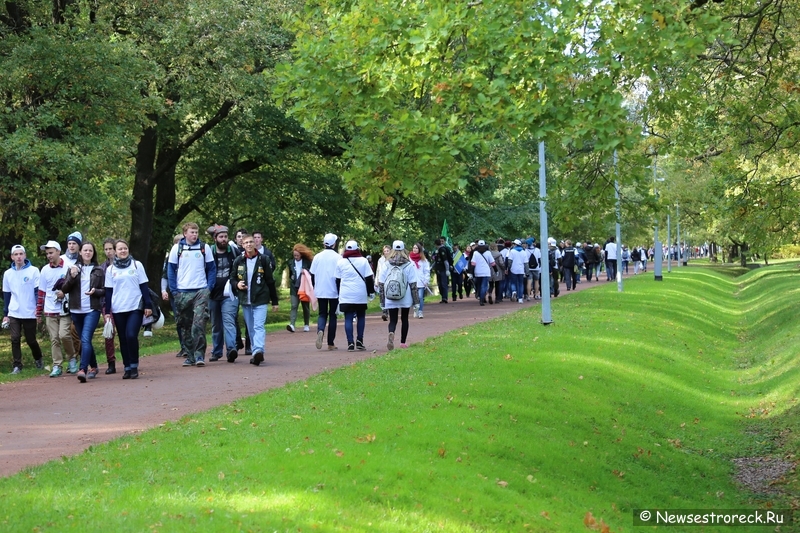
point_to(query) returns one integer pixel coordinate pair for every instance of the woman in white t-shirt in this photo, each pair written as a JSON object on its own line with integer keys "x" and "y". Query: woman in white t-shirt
{"x": 356, "y": 287}
{"x": 423, "y": 267}
{"x": 401, "y": 307}
{"x": 126, "y": 287}
{"x": 381, "y": 265}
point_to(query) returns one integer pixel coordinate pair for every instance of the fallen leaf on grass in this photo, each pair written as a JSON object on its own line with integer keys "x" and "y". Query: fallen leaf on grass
{"x": 297, "y": 417}
{"x": 508, "y": 357}
{"x": 503, "y": 484}
{"x": 545, "y": 514}
{"x": 366, "y": 438}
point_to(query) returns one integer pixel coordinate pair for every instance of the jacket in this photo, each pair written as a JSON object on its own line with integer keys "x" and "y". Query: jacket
{"x": 261, "y": 283}
{"x": 97, "y": 281}
{"x": 294, "y": 281}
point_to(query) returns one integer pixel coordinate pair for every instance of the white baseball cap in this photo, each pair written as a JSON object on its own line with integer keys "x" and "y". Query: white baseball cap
{"x": 481, "y": 243}
{"x": 50, "y": 244}
{"x": 351, "y": 245}
{"x": 398, "y": 245}
{"x": 329, "y": 239}
{"x": 17, "y": 248}
{"x": 551, "y": 241}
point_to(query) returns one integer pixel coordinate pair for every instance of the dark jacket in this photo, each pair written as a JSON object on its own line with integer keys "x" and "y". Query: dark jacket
{"x": 261, "y": 282}
{"x": 97, "y": 281}
{"x": 568, "y": 258}
{"x": 294, "y": 281}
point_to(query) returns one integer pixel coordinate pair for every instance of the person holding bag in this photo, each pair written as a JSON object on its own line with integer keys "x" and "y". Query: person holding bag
{"x": 128, "y": 300}
{"x": 85, "y": 284}
{"x": 301, "y": 260}
{"x": 356, "y": 285}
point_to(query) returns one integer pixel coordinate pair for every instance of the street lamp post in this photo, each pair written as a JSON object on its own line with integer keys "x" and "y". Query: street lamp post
{"x": 619, "y": 238}
{"x": 544, "y": 280}
{"x": 669, "y": 246}
{"x": 657, "y": 251}
{"x": 678, "y": 223}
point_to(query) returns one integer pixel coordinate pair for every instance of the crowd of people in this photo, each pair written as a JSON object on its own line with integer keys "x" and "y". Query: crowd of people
{"x": 216, "y": 280}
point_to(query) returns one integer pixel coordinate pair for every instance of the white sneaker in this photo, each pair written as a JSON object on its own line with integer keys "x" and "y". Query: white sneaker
{"x": 306, "y": 328}
{"x": 419, "y": 315}
{"x": 16, "y": 370}
{"x": 147, "y": 333}
{"x": 520, "y": 300}
{"x": 415, "y": 313}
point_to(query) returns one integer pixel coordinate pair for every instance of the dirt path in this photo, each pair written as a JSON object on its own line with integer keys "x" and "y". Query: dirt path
{"x": 43, "y": 418}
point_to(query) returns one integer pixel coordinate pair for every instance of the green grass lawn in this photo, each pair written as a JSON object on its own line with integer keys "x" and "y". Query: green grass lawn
{"x": 632, "y": 400}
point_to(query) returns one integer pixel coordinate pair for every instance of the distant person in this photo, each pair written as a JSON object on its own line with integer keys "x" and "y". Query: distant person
{"x": 482, "y": 264}
{"x": 301, "y": 260}
{"x": 423, "y": 266}
{"x": 356, "y": 286}
{"x": 50, "y": 305}
{"x": 398, "y": 292}
{"x": 323, "y": 273}
{"x": 442, "y": 263}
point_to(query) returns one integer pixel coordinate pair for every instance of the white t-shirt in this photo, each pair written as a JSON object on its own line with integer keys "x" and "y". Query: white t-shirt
{"x": 191, "y": 274}
{"x": 353, "y": 289}
{"x": 537, "y": 253}
{"x": 47, "y": 279}
{"x": 125, "y": 284}
{"x": 518, "y": 259}
{"x": 482, "y": 269}
{"x": 611, "y": 251}
{"x": 21, "y": 284}
{"x": 323, "y": 267}
{"x": 86, "y": 305}
{"x": 410, "y": 273}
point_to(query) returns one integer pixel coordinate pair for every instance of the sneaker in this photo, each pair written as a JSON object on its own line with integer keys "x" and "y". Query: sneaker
{"x": 390, "y": 344}
{"x": 82, "y": 376}
{"x": 490, "y": 300}
{"x": 519, "y": 301}
{"x": 56, "y": 371}
{"x": 92, "y": 373}
{"x": 513, "y": 294}
{"x": 306, "y": 328}
{"x": 232, "y": 355}
{"x": 290, "y": 328}
{"x": 320, "y": 334}
{"x": 385, "y": 316}
{"x": 147, "y": 333}
{"x": 189, "y": 361}
{"x": 214, "y": 358}
{"x": 200, "y": 362}
{"x": 73, "y": 366}
{"x": 112, "y": 368}
{"x": 181, "y": 354}
{"x": 351, "y": 347}
{"x": 257, "y": 358}
{"x": 415, "y": 313}
{"x": 134, "y": 373}
{"x": 126, "y": 374}
{"x": 419, "y": 315}
{"x": 331, "y": 347}
{"x": 16, "y": 370}
{"x": 403, "y": 345}
{"x": 359, "y": 345}
{"x": 39, "y": 364}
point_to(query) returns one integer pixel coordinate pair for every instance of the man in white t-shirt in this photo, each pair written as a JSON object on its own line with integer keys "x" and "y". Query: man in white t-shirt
{"x": 323, "y": 274}
{"x": 50, "y": 305}
{"x": 192, "y": 273}
{"x": 20, "y": 290}
{"x": 610, "y": 250}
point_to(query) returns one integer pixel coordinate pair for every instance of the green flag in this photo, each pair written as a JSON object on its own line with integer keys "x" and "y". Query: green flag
{"x": 446, "y": 235}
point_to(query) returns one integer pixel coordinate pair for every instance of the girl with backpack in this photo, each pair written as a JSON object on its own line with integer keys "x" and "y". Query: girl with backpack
{"x": 398, "y": 288}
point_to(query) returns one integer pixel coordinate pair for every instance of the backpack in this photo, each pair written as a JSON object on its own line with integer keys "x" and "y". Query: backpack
{"x": 155, "y": 299}
{"x": 551, "y": 258}
{"x": 395, "y": 286}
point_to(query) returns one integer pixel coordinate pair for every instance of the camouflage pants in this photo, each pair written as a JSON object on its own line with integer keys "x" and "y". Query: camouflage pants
{"x": 192, "y": 310}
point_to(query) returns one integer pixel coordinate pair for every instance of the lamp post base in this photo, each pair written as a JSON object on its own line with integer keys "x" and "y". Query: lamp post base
{"x": 659, "y": 278}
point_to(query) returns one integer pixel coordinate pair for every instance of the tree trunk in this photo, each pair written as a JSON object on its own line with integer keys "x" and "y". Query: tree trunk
{"x": 142, "y": 199}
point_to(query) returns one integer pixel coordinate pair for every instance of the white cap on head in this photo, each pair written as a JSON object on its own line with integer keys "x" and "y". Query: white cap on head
{"x": 398, "y": 245}
{"x": 551, "y": 241}
{"x": 17, "y": 248}
{"x": 518, "y": 242}
{"x": 50, "y": 244}
{"x": 351, "y": 245}
{"x": 481, "y": 243}
{"x": 329, "y": 240}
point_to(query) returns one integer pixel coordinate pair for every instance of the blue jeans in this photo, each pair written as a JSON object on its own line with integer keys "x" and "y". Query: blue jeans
{"x": 421, "y": 293}
{"x": 255, "y": 316}
{"x": 128, "y": 325}
{"x": 361, "y": 322}
{"x": 85, "y": 324}
{"x": 223, "y": 325}
{"x": 482, "y": 285}
{"x": 517, "y": 284}
{"x": 327, "y": 308}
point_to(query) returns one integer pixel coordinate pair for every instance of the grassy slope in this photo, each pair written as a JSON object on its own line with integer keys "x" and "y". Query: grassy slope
{"x": 628, "y": 400}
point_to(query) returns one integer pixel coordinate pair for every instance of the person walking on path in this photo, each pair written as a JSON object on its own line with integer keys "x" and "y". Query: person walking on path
{"x": 50, "y": 304}
{"x": 423, "y": 267}
{"x": 253, "y": 284}
{"x": 192, "y": 273}
{"x": 382, "y": 262}
{"x": 517, "y": 258}
{"x": 111, "y": 357}
{"x": 442, "y": 263}
{"x": 356, "y": 286}
{"x": 127, "y": 299}
{"x": 323, "y": 274}
{"x": 398, "y": 285}
{"x": 301, "y": 260}
{"x": 222, "y": 309}
{"x": 20, "y": 292}
{"x": 482, "y": 264}
{"x": 85, "y": 284}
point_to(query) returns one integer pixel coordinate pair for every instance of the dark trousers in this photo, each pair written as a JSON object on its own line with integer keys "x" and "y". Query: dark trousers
{"x": 16, "y": 326}
{"x": 327, "y": 308}
{"x": 393, "y": 313}
{"x": 442, "y": 282}
{"x": 457, "y": 282}
{"x": 128, "y": 325}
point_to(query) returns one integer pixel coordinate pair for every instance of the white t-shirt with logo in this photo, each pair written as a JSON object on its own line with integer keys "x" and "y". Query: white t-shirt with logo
{"x": 47, "y": 279}
{"x": 125, "y": 284}
{"x": 21, "y": 284}
{"x": 323, "y": 267}
{"x": 191, "y": 275}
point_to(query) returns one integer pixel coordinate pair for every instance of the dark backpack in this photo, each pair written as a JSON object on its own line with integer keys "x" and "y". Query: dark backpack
{"x": 551, "y": 258}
